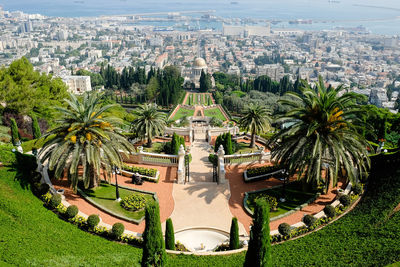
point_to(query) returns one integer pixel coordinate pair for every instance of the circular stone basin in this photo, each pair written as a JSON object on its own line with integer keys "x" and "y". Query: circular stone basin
{"x": 201, "y": 239}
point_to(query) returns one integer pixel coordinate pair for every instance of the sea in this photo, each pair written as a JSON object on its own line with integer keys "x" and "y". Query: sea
{"x": 377, "y": 16}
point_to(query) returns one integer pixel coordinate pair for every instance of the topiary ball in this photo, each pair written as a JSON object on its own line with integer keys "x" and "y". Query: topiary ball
{"x": 284, "y": 229}
{"x": 55, "y": 201}
{"x": 329, "y": 211}
{"x": 357, "y": 189}
{"x": 309, "y": 220}
{"x": 93, "y": 220}
{"x": 345, "y": 200}
{"x": 117, "y": 230}
{"x": 71, "y": 212}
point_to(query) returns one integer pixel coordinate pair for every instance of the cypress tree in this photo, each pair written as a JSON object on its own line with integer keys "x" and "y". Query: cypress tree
{"x": 14, "y": 131}
{"x": 35, "y": 128}
{"x": 153, "y": 242}
{"x": 234, "y": 234}
{"x": 169, "y": 235}
{"x": 228, "y": 142}
{"x": 259, "y": 250}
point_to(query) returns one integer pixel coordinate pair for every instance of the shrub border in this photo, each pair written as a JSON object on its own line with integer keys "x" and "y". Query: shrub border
{"x": 122, "y": 217}
{"x": 300, "y": 207}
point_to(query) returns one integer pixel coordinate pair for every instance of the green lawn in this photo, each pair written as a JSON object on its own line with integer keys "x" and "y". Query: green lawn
{"x": 244, "y": 148}
{"x": 182, "y": 112}
{"x": 294, "y": 198}
{"x": 104, "y": 196}
{"x": 31, "y": 235}
{"x": 214, "y": 112}
{"x": 157, "y": 147}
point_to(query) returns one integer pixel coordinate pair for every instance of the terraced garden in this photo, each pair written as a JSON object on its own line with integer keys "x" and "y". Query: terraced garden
{"x": 214, "y": 112}
{"x": 198, "y": 99}
{"x": 183, "y": 112}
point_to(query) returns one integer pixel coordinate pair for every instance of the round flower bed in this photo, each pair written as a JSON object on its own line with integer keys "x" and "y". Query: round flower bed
{"x": 133, "y": 202}
{"x": 273, "y": 203}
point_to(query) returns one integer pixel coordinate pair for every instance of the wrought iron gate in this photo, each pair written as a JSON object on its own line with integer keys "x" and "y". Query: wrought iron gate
{"x": 187, "y": 170}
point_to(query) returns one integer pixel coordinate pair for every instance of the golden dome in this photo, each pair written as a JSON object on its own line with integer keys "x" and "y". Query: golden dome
{"x": 200, "y": 63}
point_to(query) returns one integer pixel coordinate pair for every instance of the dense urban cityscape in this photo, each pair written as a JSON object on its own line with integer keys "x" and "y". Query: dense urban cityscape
{"x": 365, "y": 63}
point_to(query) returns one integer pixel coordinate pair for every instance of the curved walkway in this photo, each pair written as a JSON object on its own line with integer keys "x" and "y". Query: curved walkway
{"x": 163, "y": 189}
{"x": 234, "y": 175}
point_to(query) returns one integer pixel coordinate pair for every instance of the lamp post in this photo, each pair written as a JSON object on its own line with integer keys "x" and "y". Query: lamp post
{"x": 327, "y": 177}
{"x": 116, "y": 172}
{"x": 285, "y": 174}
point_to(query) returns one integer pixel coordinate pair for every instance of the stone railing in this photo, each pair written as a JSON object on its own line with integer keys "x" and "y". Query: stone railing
{"x": 182, "y": 131}
{"x": 259, "y": 156}
{"x": 142, "y": 157}
{"x": 215, "y": 131}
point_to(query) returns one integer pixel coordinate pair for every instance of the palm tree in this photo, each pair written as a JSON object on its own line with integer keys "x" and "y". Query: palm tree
{"x": 84, "y": 142}
{"x": 149, "y": 122}
{"x": 256, "y": 119}
{"x": 322, "y": 135}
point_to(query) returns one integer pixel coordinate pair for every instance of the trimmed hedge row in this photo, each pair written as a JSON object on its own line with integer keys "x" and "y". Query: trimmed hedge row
{"x": 141, "y": 170}
{"x": 251, "y": 172}
{"x": 91, "y": 223}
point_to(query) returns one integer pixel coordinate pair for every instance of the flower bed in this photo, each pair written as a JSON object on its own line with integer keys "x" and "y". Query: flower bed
{"x": 133, "y": 202}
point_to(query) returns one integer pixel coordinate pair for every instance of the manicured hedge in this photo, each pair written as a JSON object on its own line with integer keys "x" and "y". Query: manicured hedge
{"x": 142, "y": 171}
{"x": 251, "y": 172}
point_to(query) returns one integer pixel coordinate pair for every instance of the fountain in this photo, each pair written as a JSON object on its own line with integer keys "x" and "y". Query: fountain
{"x": 201, "y": 239}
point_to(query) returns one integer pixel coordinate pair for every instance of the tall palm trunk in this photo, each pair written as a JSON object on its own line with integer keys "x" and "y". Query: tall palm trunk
{"x": 93, "y": 177}
{"x": 149, "y": 141}
{"x": 253, "y": 140}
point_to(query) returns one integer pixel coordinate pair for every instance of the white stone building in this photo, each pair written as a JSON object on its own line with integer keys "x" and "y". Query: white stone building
{"x": 78, "y": 84}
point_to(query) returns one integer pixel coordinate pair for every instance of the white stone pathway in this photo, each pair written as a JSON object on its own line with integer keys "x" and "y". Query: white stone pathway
{"x": 202, "y": 203}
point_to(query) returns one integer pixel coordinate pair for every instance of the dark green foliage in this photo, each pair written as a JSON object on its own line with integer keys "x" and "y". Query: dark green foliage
{"x": 169, "y": 235}
{"x": 357, "y": 189}
{"x": 284, "y": 229}
{"x": 92, "y": 221}
{"x": 14, "y": 131}
{"x": 329, "y": 211}
{"x": 259, "y": 250}
{"x": 173, "y": 146}
{"x": 345, "y": 200}
{"x": 213, "y": 159}
{"x": 43, "y": 189}
{"x": 55, "y": 201}
{"x": 226, "y": 141}
{"x": 234, "y": 235}
{"x": 153, "y": 243}
{"x": 117, "y": 230}
{"x": 71, "y": 212}
{"x": 205, "y": 82}
{"x": 309, "y": 220}
{"x": 170, "y": 81}
{"x": 29, "y": 91}
{"x": 35, "y": 128}
{"x": 251, "y": 172}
